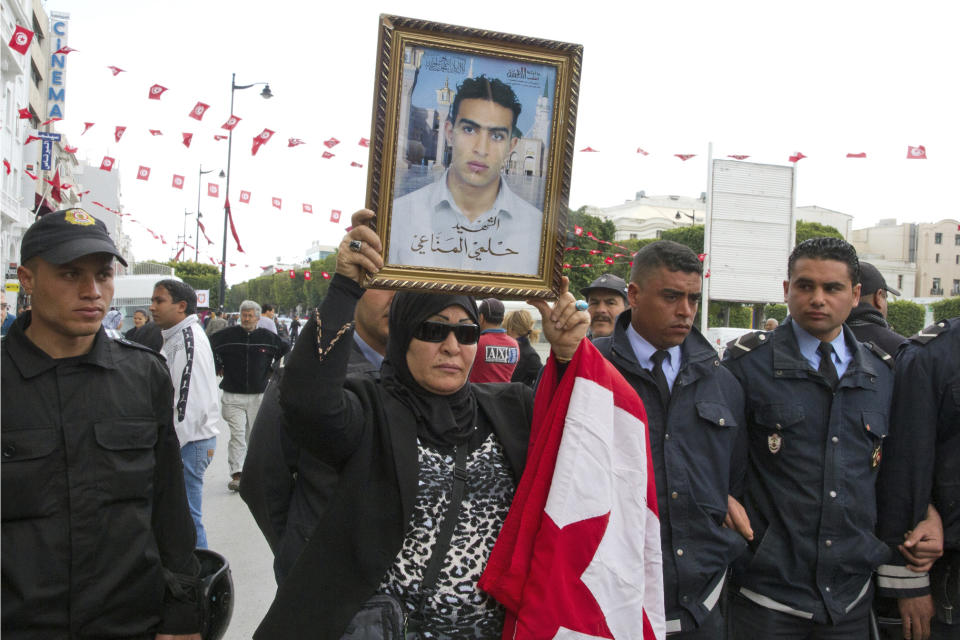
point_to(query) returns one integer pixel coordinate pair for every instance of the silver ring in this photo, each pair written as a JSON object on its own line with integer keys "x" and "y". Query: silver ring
{"x": 581, "y": 305}
{"x": 356, "y": 245}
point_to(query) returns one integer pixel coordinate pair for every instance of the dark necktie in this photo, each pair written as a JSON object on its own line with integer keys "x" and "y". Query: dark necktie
{"x": 659, "y": 378}
{"x": 826, "y": 369}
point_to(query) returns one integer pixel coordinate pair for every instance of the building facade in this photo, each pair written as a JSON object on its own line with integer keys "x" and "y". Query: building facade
{"x": 842, "y": 222}
{"x": 648, "y": 216}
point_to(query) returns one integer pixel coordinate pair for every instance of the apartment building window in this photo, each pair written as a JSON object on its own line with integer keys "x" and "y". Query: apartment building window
{"x": 900, "y": 278}
{"x": 956, "y": 288}
{"x": 938, "y": 238}
{"x": 936, "y": 290}
{"x": 956, "y": 240}
{"x": 633, "y": 236}
{"x": 936, "y": 258}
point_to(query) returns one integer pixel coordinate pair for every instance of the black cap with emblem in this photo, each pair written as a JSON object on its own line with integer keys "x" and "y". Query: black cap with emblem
{"x": 65, "y": 235}
{"x": 607, "y": 281}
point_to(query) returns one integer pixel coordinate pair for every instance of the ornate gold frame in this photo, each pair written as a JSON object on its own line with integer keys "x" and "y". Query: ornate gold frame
{"x": 396, "y": 33}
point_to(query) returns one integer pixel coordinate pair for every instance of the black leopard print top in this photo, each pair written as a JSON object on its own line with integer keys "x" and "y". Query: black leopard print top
{"x": 458, "y": 609}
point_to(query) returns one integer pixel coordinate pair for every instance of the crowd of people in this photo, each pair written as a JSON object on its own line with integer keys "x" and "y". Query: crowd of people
{"x": 806, "y": 482}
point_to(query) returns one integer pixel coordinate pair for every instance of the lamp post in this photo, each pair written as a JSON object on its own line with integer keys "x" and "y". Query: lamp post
{"x": 184, "y": 236}
{"x": 692, "y": 216}
{"x": 265, "y": 94}
{"x": 200, "y": 174}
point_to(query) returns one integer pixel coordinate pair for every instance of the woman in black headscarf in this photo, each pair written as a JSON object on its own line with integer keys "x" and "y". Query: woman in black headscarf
{"x": 395, "y": 443}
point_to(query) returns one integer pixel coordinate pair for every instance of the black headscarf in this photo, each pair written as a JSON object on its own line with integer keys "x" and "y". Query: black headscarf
{"x": 442, "y": 421}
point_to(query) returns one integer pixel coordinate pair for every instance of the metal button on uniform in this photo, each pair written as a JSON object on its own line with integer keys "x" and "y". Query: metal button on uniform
{"x": 827, "y": 589}
{"x": 833, "y": 494}
{"x": 721, "y": 422}
{"x": 679, "y": 552}
{"x": 685, "y": 598}
{"x": 829, "y": 543}
{"x": 779, "y": 372}
{"x": 778, "y": 426}
{"x": 674, "y": 495}
{"x": 835, "y": 439}
{"x": 666, "y": 436}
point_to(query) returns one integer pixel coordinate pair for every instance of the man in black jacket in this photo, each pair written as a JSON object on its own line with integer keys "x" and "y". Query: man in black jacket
{"x": 868, "y": 320}
{"x": 145, "y": 331}
{"x": 695, "y": 413}
{"x": 285, "y": 487}
{"x": 97, "y": 537}
{"x": 245, "y": 356}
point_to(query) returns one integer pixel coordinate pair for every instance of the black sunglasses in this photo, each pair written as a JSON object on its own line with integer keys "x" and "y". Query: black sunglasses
{"x": 431, "y": 331}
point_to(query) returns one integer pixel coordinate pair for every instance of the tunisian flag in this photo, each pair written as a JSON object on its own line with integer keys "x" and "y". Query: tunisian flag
{"x": 579, "y": 552}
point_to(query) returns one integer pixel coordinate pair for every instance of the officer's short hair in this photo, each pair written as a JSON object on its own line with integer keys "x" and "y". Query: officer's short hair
{"x": 827, "y": 249}
{"x": 664, "y": 253}
{"x": 250, "y": 304}
{"x": 180, "y": 292}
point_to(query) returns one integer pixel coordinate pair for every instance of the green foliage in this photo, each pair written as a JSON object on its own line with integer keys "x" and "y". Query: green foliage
{"x": 944, "y": 309}
{"x": 905, "y": 317}
{"x": 284, "y": 292}
{"x": 689, "y": 236}
{"x": 807, "y": 230}
{"x": 601, "y": 229}
{"x": 730, "y": 314}
{"x": 778, "y": 311}
{"x": 199, "y": 276}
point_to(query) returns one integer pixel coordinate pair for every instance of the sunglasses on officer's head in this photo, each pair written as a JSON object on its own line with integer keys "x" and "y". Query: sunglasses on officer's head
{"x": 431, "y": 331}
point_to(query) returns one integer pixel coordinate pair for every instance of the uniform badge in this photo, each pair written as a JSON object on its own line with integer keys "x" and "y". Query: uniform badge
{"x": 774, "y": 442}
{"x": 80, "y": 217}
{"x": 875, "y": 457}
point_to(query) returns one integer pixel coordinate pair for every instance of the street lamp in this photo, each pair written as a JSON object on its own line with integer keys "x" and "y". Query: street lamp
{"x": 692, "y": 217}
{"x": 196, "y": 249}
{"x": 266, "y": 94}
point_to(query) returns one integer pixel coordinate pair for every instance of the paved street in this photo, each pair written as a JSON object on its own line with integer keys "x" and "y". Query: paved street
{"x": 232, "y": 532}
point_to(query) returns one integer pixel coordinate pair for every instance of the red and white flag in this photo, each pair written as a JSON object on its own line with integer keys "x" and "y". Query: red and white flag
{"x": 155, "y": 132}
{"x": 356, "y": 164}
{"x": 364, "y": 142}
{"x": 86, "y": 127}
{"x": 245, "y": 197}
{"x": 230, "y": 123}
{"x": 862, "y": 154}
{"x": 233, "y": 229}
{"x": 70, "y": 149}
{"x": 21, "y": 39}
{"x": 335, "y": 215}
{"x": 261, "y": 139}
{"x": 917, "y": 153}
{"x": 292, "y": 142}
{"x": 324, "y": 275}
{"x": 685, "y": 156}
{"x": 307, "y": 208}
{"x": 156, "y": 91}
{"x": 642, "y": 152}
{"x": 797, "y": 157}
{"x": 115, "y": 70}
{"x": 218, "y": 138}
{"x": 187, "y": 139}
{"x": 588, "y": 150}
{"x": 143, "y": 173}
{"x": 213, "y": 190}
{"x": 64, "y": 50}
{"x": 277, "y": 202}
{"x": 107, "y": 163}
{"x": 118, "y": 133}
{"x": 50, "y": 121}
{"x": 177, "y": 181}
{"x": 579, "y": 553}
{"x": 25, "y": 113}
{"x": 293, "y": 274}
{"x": 307, "y": 275}
{"x": 577, "y": 230}
{"x": 198, "y": 110}
{"x": 327, "y": 155}
{"x": 738, "y": 157}
{"x": 331, "y": 143}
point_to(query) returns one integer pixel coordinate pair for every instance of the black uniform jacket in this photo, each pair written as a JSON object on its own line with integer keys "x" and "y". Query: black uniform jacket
{"x": 868, "y": 325}
{"x": 699, "y": 456}
{"x": 810, "y": 489}
{"x": 922, "y": 462}
{"x": 285, "y": 487}
{"x": 246, "y": 358}
{"x": 94, "y": 509}
{"x": 529, "y": 364}
{"x": 371, "y": 438}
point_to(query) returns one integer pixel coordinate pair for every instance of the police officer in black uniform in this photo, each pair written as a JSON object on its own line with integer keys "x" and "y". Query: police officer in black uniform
{"x": 97, "y": 539}
{"x": 923, "y": 466}
{"x": 695, "y": 414}
{"x": 868, "y": 320}
{"x": 817, "y": 405}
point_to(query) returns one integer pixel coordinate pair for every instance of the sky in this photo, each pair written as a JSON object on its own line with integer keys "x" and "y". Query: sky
{"x": 765, "y": 79}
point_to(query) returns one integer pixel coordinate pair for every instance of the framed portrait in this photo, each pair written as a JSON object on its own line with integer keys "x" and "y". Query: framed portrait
{"x": 470, "y": 158}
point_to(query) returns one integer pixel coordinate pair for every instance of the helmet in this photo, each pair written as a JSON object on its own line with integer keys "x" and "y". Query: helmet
{"x": 216, "y": 593}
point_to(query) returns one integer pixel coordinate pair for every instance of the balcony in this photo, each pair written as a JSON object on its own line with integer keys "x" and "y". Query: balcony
{"x": 936, "y": 291}
{"x": 955, "y": 291}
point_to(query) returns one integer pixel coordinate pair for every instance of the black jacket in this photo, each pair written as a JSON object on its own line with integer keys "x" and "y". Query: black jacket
{"x": 286, "y": 488}
{"x": 347, "y": 425}
{"x": 246, "y": 358}
{"x": 810, "y": 489}
{"x": 148, "y": 335}
{"x": 699, "y": 454}
{"x": 528, "y": 365}
{"x": 94, "y": 508}
{"x": 868, "y": 325}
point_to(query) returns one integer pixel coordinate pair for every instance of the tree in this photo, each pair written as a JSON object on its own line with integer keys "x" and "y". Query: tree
{"x": 944, "y": 309}
{"x": 199, "y": 276}
{"x": 778, "y": 311}
{"x": 905, "y": 317}
{"x": 286, "y": 293}
{"x": 581, "y": 277}
{"x": 689, "y": 236}
{"x": 807, "y": 230}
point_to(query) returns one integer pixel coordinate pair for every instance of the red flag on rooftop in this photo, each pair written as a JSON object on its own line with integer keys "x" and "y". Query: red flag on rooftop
{"x": 115, "y": 70}
{"x": 177, "y": 181}
{"x": 143, "y": 173}
{"x": 156, "y": 91}
{"x": 579, "y": 549}
{"x": 21, "y": 39}
{"x": 198, "y": 110}
{"x": 107, "y": 163}
{"x": 187, "y": 139}
{"x": 917, "y": 153}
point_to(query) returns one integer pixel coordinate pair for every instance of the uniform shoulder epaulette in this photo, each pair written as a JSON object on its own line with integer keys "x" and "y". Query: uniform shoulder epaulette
{"x": 747, "y": 343}
{"x": 930, "y": 332}
{"x": 136, "y": 345}
{"x": 880, "y": 353}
